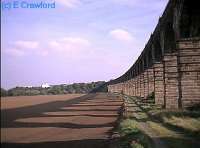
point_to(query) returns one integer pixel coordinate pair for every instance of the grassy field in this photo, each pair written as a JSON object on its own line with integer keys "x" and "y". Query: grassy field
{"x": 146, "y": 125}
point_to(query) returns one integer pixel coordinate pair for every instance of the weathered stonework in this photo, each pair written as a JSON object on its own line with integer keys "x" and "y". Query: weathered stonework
{"x": 151, "y": 80}
{"x": 171, "y": 88}
{"x": 159, "y": 83}
{"x": 142, "y": 85}
{"x": 189, "y": 66}
{"x": 146, "y": 84}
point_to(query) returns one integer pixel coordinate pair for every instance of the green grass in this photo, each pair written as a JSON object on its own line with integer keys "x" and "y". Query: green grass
{"x": 136, "y": 145}
{"x": 179, "y": 128}
{"x": 176, "y": 128}
{"x": 132, "y": 136}
{"x": 187, "y": 123}
{"x": 128, "y": 126}
{"x": 160, "y": 130}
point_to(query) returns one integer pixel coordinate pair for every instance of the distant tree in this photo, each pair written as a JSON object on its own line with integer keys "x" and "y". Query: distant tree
{"x": 56, "y": 89}
{"x": 101, "y": 87}
{"x": 33, "y": 92}
{"x": 3, "y": 92}
{"x": 43, "y": 91}
{"x": 18, "y": 91}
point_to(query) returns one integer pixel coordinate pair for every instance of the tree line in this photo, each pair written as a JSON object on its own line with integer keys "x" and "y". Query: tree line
{"x": 55, "y": 89}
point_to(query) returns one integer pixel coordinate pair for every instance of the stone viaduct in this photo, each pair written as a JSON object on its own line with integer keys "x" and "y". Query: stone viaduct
{"x": 169, "y": 65}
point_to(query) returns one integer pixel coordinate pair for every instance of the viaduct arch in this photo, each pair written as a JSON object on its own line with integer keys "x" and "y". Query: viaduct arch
{"x": 169, "y": 65}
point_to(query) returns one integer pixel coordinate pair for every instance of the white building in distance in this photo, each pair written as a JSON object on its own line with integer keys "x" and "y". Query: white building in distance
{"x": 45, "y": 85}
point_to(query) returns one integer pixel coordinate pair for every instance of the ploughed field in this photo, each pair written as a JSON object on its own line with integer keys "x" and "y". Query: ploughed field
{"x": 62, "y": 121}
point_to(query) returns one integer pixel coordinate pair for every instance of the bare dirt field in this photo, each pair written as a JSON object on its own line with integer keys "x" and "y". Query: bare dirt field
{"x": 63, "y": 121}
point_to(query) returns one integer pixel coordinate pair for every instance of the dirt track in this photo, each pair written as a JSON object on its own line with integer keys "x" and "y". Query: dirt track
{"x": 63, "y": 121}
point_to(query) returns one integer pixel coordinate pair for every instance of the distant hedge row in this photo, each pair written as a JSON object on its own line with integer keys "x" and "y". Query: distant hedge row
{"x": 55, "y": 89}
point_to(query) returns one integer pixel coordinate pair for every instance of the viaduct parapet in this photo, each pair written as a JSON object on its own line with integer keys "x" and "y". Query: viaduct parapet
{"x": 169, "y": 65}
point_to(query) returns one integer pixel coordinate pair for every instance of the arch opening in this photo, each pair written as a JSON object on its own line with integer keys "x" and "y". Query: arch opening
{"x": 169, "y": 38}
{"x": 157, "y": 51}
{"x": 190, "y": 19}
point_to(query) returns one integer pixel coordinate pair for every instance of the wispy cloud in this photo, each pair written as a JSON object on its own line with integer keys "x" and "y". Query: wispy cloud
{"x": 26, "y": 44}
{"x": 14, "y": 52}
{"x": 121, "y": 35}
{"x": 126, "y": 2}
{"x": 71, "y": 46}
{"x": 22, "y": 48}
{"x": 69, "y": 3}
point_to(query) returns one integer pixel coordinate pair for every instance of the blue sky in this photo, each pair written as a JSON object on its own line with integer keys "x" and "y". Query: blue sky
{"x": 78, "y": 41}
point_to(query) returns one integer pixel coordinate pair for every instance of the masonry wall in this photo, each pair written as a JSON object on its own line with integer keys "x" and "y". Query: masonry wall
{"x": 175, "y": 80}
{"x": 189, "y": 62}
{"x": 158, "y": 70}
{"x": 151, "y": 80}
{"x": 146, "y": 84}
{"x": 171, "y": 81}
